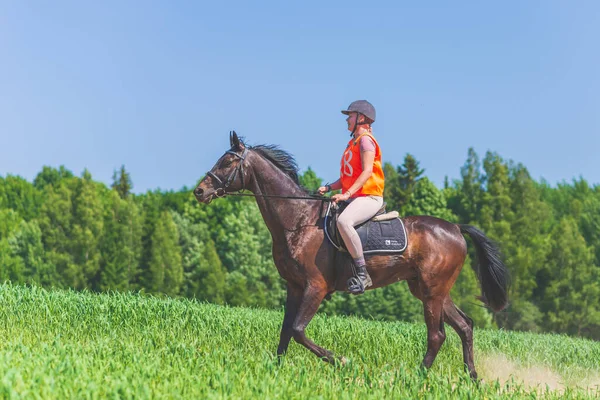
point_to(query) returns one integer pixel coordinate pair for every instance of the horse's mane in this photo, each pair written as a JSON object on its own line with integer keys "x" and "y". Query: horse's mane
{"x": 280, "y": 158}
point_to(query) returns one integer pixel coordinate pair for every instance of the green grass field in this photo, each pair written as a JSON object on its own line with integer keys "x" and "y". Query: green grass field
{"x": 64, "y": 344}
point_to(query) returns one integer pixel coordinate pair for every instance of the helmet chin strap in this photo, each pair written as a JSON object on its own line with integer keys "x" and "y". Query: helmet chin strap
{"x": 356, "y": 124}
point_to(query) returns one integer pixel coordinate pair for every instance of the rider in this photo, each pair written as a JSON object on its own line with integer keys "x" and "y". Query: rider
{"x": 362, "y": 182}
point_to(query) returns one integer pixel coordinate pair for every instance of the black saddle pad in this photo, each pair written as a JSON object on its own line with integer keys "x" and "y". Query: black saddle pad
{"x": 382, "y": 236}
{"x": 376, "y": 236}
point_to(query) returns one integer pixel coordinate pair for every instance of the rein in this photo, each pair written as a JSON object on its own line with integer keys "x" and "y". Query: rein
{"x": 310, "y": 197}
{"x": 222, "y": 192}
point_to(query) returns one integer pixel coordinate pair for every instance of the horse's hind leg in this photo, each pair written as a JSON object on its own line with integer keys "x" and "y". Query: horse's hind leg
{"x": 463, "y": 325}
{"x": 433, "y": 309}
{"x": 311, "y": 299}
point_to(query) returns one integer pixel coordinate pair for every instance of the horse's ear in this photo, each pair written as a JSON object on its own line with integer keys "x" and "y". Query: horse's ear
{"x": 236, "y": 143}
{"x": 231, "y": 138}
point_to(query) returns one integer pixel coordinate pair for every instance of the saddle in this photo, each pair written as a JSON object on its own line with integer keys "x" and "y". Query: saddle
{"x": 383, "y": 233}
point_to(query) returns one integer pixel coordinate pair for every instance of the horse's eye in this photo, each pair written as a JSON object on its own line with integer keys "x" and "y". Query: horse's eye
{"x": 225, "y": 163}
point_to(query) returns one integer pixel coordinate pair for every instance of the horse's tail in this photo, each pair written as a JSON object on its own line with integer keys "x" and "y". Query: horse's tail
{"x": 491, "y": 271}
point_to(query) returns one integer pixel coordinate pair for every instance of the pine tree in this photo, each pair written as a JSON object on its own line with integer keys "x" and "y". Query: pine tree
{"x": 527, "y": 246}
{"x": 237, "y": 293}
{"x": 87, "y": 230}
{"x": 122, "y": 182}
{"x": 468, "y": 203}
{"x": 56, "y": 224}
{"x": 26, "y": 244}
{"x": 496, "y": 204}
{"x": 151, "y": 204}
{"x": 204, "y": 274}
{"x": 11, "y": 266}
{"x": 245, "y": 245}
{"x": 589, "y": 215}
{"x": 213, "y": 276}
{"x": 573, "y": 297}
{"x": 409, "y": 175}
{"x": 165, "y": 258}
{"x": 121, "y": 244}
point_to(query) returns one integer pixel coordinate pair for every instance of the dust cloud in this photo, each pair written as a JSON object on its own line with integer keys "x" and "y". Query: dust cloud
{"x": 535, "y": 377}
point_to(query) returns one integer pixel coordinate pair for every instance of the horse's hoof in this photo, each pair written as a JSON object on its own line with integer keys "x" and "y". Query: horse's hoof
{"x": 343, "y": 361}
{"x": 280, "y": 359}
{"x": 422, "y": 371}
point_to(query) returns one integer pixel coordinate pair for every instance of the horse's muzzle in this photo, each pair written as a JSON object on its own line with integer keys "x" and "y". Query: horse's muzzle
{"x": 206, "y": 197}
{"x": 202, "y": 196}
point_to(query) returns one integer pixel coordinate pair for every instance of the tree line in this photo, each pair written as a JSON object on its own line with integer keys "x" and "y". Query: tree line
{"x": 69, "y": 231}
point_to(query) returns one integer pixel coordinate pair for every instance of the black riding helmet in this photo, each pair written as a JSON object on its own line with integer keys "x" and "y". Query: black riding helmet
{"x": 362, "y": 107}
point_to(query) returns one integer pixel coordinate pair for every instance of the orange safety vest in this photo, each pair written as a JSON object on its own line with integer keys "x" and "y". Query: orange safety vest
{"x": 351, "y": 167}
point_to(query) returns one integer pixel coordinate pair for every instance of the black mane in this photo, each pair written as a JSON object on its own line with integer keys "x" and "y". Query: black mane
{"x": 280, "y": 158}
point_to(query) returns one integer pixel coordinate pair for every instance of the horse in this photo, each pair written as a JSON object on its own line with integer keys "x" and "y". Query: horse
{"x": 306, "y": 260}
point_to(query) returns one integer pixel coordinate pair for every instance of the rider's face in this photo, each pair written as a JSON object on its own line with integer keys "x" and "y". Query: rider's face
{"x": 351, "y": 120}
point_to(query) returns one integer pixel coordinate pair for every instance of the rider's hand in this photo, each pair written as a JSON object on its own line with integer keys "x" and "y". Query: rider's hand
{"x": 340, "y": 197}
{"x": 322, "y": 190}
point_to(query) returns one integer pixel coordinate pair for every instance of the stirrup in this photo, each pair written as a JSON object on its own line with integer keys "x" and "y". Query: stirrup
{"x": 356, "y": 284}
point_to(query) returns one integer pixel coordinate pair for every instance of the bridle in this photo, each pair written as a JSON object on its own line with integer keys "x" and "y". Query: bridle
{"x": 239, "y": 168}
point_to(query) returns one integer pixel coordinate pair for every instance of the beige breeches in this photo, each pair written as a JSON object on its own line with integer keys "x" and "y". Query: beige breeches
{"x": 359, "y": 210}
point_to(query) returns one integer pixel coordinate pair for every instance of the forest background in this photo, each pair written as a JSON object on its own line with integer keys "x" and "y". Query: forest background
{"x": 68, "y": 231}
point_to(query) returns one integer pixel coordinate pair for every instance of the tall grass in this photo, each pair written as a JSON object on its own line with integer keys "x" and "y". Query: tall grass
{"x": 65, "y": 344}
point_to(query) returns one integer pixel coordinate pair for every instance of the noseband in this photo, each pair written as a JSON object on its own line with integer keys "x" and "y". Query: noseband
{"x": 220, "y": 192}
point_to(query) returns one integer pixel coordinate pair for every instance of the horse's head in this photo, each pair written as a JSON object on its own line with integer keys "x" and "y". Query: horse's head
{"x": 227, "y": 175}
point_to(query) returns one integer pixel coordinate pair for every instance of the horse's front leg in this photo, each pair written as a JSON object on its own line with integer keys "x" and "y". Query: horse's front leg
{"x": 294, "y": 296}
{"x": 311, "y": 299}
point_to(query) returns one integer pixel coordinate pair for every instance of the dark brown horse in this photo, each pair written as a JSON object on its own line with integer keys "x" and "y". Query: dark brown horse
{"x": 306, "y": 260}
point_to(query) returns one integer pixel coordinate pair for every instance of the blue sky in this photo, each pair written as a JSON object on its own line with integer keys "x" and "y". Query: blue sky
{"x": 157, "y": 86}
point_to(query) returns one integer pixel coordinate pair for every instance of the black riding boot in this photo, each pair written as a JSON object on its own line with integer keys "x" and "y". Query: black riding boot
{"x": 360, "y": 281}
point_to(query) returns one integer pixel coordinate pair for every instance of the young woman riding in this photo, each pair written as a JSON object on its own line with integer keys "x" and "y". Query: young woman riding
{"x": 362, "y": 183}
